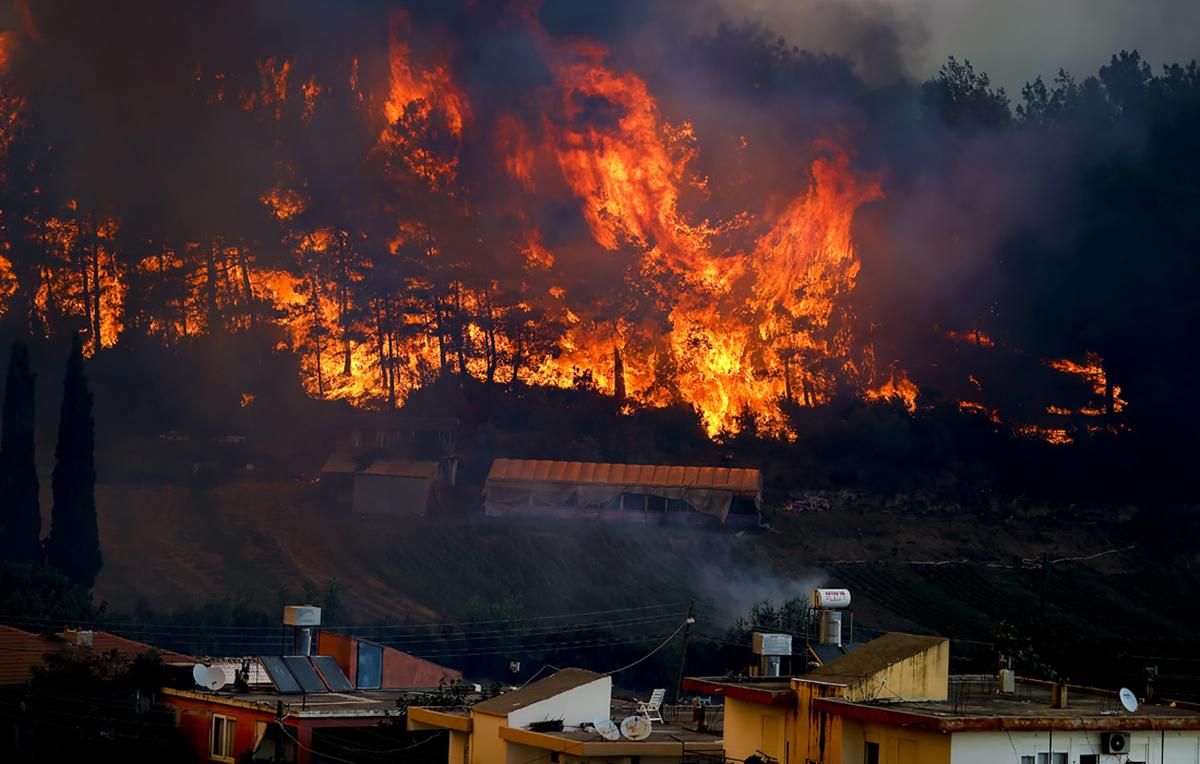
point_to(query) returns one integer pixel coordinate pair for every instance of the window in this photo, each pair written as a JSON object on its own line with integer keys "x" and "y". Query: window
{"x": 220, "y": 740}
{"x": 1089, "y": 758}
{"x": 1045, "y": 758}
{"x": 871, "y": 753}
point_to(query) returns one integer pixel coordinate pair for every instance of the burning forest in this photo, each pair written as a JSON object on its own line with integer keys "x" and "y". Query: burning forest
{"x": 393, "y": 194}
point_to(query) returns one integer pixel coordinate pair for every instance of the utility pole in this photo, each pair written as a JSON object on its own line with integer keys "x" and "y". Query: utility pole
{"x": 687, "y": 628}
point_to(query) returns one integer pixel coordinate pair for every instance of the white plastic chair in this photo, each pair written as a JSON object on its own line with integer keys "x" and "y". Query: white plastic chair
{"x": 652, "y": 709}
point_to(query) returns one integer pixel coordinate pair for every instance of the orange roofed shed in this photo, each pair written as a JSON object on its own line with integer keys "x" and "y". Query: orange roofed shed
{"x": 640, "y": 492}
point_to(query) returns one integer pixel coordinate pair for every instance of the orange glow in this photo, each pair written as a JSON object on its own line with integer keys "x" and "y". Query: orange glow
{"x": 420, "y": 102}
{"x": 898, "y": 387}
{"x": 284, "y": 203}
{"x": 974, "y": 337}
{"x": 1092, "y": 372}
{"x": 1055, "y": 436}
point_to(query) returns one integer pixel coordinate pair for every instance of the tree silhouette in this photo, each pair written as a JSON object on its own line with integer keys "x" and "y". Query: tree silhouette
{"x": 74, "y": 543}
{"x": 20, "y": 517}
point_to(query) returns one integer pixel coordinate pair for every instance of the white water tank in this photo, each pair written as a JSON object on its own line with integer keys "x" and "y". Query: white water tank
{"x": 302, "y": 615}
{"x": 831, "y": 599}
{"x": 772, "y": 644}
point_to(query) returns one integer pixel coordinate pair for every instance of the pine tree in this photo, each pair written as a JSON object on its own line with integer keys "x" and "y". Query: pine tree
{"x": 74, "y": 543}
{"x": 20, "y": 517}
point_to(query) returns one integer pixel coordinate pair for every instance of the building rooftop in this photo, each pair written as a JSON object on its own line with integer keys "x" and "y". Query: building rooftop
{"x": 21, "y": 651}
{"x": 359, "y": 703}
{"x": 974, "y": 704}
{"x": 664, "y": 740}
{"x": 873, "y": 657}
{"x": 543, "y": 689}
{"x": 771, "y": 691}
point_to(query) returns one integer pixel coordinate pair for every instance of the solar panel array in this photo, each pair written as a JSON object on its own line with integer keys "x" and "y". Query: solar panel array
{"x": 301, "y": 674}
{"x": 332, "y": 673}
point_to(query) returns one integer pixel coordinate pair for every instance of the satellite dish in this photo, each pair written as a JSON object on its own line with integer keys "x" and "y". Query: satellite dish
{"x": 216, "y": 678}
{"x": 209, "y": 677}
{"x": 607, "y": 729}
{"x": 636, "y": 727}
{"x": 1128, "y": 699}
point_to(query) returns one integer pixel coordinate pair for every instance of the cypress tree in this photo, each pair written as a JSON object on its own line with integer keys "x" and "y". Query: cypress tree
{"x": 20, "y": 516}
{"x": 74, "y": 543}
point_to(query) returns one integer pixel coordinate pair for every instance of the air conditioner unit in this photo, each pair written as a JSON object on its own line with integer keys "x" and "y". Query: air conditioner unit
{"x": 1114, "y": 742}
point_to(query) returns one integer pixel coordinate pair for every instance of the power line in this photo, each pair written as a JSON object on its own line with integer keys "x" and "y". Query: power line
{"x": 99, "y": 624}
{"x": 652, "y": 652}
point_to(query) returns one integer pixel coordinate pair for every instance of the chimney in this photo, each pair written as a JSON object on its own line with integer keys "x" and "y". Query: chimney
{"x": 304, "y": 620}
{"x": 79, "y": 637}
{"x": 1007, "y": 681}
{"x": 1058, "y": 695}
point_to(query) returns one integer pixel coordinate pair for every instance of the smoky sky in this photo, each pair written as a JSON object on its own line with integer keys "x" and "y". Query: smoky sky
{"x": 1014, "y": 41}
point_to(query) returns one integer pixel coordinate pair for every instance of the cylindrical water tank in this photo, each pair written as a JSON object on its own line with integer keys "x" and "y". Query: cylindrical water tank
{"x": 831, "y": 599}
{"x": 831, "y": 627}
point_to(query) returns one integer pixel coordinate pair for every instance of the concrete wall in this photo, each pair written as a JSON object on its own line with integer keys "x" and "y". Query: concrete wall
{"x": 816, "y": 735}
{"x": 516, "y": 753}
{"x": 343, "y": 649}
{"x": 391, "y": 495}
{"x": 896, "y": 745}
{"x": 924, "y": 676}
{"x": 575, "y": 706}
{"x": 751, "y": 727}
{"x": 1008, "y": 747}
{"x": 460, "y": 744}
{"x": 194, "y": 719}
{"x": 486, "y": 745}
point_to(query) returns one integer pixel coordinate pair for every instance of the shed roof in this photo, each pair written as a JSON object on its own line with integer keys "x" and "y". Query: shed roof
{"x": 738, "y": 479}
{"x": 400, "y": 468}
{"x": 559, "y": 682}
{"x": 873, "y": 657}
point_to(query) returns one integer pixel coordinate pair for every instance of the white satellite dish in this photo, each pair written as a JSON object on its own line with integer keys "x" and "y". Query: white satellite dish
{"x": 209, "y": 677}
{"x": 607, "y": 729}
{"x": 216, "y": 678}
{"x": 1128, "y": 699}
{"x": 636, "y": 727}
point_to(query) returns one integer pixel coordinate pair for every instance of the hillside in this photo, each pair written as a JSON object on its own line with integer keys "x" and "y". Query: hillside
{"x": 911, "y": 568}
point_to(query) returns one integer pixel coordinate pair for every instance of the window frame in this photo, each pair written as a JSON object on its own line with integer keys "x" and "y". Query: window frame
{"x": 228, "y": 734}
{"x": 878, "y": 751}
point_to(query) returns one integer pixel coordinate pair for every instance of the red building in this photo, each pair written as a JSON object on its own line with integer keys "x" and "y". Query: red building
{"x": 306, "y": 709}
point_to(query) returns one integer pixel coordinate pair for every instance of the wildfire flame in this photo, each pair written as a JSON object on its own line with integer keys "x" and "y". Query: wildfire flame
{"x": 730, "y": 312}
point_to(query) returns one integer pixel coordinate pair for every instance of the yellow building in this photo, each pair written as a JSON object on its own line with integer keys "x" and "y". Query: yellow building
{"x": 892, "y": 701}
{"x": 508, "y": 729}
{"x": 776, "y": 718}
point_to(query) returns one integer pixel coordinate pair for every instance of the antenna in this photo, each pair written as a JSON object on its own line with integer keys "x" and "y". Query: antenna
{"x": 200, "y": 674}
{"x": 607, "y": 729}
{"x": 1128, "y": 700}
{"x": 636, "y": 727}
